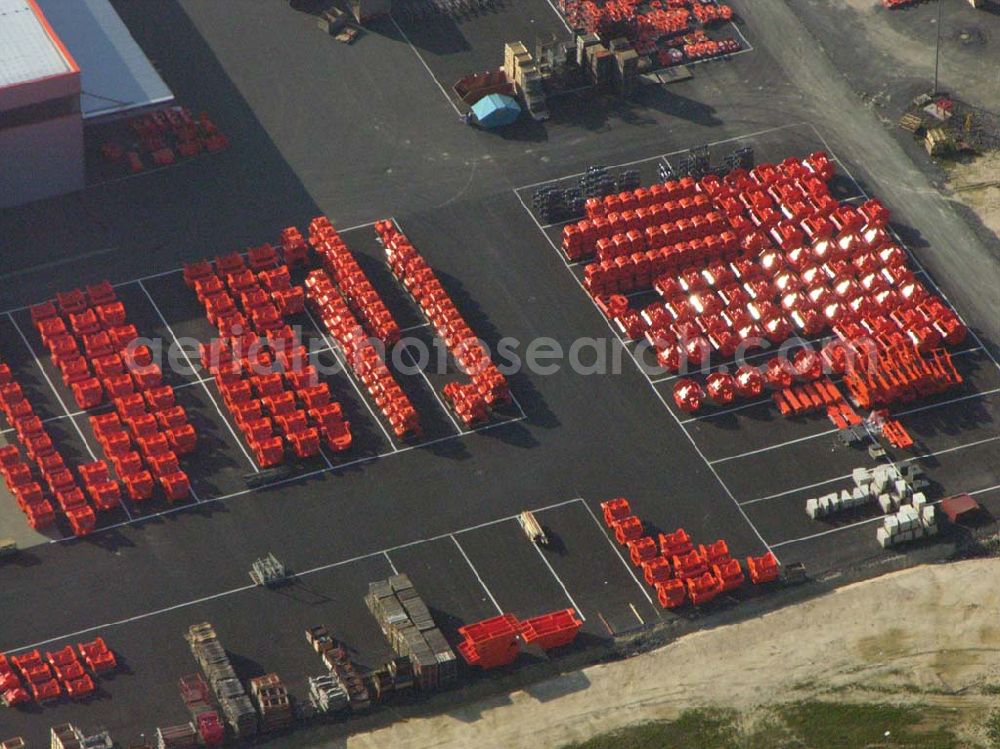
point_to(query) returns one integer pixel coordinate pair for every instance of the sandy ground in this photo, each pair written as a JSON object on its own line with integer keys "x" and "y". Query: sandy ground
{"x": 984, "y": 200}
{"x": 928, "y": 634}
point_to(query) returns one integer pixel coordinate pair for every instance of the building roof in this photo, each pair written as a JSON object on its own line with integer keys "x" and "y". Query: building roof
{"x": 29, "y": 49}
{"x": 116, "y": 75}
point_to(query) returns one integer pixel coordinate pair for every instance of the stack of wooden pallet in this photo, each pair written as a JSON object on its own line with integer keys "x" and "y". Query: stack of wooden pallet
{"x": 273, "y": 704}
{"x": 236, "y": 706}
{"x": 407, "y": 624}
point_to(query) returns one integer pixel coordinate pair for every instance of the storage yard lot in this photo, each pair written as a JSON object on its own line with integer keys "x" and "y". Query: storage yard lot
{"x": 363, "y": 134}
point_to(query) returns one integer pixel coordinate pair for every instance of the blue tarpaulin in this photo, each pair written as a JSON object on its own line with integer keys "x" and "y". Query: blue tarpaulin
{"x": 495, "y": 110}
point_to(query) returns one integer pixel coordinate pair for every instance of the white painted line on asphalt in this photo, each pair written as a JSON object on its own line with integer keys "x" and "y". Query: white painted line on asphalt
{"x": 845, "y": 477}
{"x": 52, "y": 386}
{"x": 896, "y": 415}
{"x": 565, "y": 590}
{"x": 475, "y": 571}
{"x": 298, "y": 477}
{"x": 303, "y": 573}
{"x": 187, "y": 359}
{"x": 869, "y": 521}
{"x": 724, "y": 411}
{"x": 172, "y": 272}
{"x": 415, "y": 327}
{"x": 392, "y": 564}
{"x": 561, "y": 16}
{"x": 334, "y": 348}
{"x": 131, "y": 619}
{"x": 437, "y": 396}
{"x": 427, "y": 67}
{"x": 652, "y": 387}
{"x": 636, "y": 612}
{"x": 618, "y": 554}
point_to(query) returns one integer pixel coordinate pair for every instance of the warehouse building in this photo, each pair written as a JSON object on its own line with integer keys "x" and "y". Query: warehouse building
{"x": 63, "y": 65}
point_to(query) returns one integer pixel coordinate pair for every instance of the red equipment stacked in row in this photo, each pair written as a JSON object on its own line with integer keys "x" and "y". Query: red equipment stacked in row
{"x": 264, "y": 377}
{"x": 899, "y": 373}
{"x": 41, "y": 451}
{"x": 57, "y": 673}
{"x": 352, "y": 282}
{"x": 488, "y": 387}
{"x": 490, "y": 643}
{"x": 156, "y": 132}
{"x": 802, "y": 264}
{"x": 94, "y": 321}
{"x": 366, "y": 362}
{"x": 148, "y": 430}
{"x": 497, "y": 641}
{"x": 677, "y": 569}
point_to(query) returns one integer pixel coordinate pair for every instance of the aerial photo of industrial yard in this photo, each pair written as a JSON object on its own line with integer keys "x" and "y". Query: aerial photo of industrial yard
{"x": 570, "y": 374}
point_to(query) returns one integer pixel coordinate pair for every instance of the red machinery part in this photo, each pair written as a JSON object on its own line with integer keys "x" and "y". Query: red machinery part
{"x": 552, "y": 630}
{"x": 688, "y": 395}
{"x": 703, "y": 588}
{"x": 656, "y": 570}
{"x": 689, "y": 565}
{"x": 780, "y": 373}
{"x": 490, "y": 643}
{"x": 808, "y": 365}
{"x": 674, "y": 544}
{"x": 210, "y": 728}
{"x": 671, "y": 593}
{"x": 721, "y": 388}
{"x": 763, "y": 569}
{"x": 749, "y": 381}
{"x": 641, "y": 550}
{"x": 615, "y": 509}
{"x": 627, "y": 529}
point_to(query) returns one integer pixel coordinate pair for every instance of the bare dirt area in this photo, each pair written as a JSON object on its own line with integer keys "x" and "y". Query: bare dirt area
{"x": 976, "y": 184}
{"x": 928, "y": 635}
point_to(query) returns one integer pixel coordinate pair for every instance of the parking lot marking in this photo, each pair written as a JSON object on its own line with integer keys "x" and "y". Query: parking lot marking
{"x": 724, "y": 411}
{"x": 869, "y": 521}
{"x": 415, "y": 327}
{"x": 172, "y": 272}
{"x": 617, "y": 553}
{"x": 929, "y": 407}
{"x": 68, "y": 415}
{"x": 562, "y": 585}
{"x": 642, "y": 370}
{"x": 303, "y": 573}
{"x": 561, "y": 17}
{"x": 392, "y": 564}
{"x": 655, "y": 157}
{"x": 301, "y": 477}
{"x": 427, "y": 67}
{"x": 334, "y": 348}
{"x": 750, "y": 404}
{"x": 729, "y": 366}
{"x": 437, "y": 397}
{"x": 911, "y": 459}
{"x": 475, "y": 571}
{"x": 52, "y": 387}
{"x": 325, "y": 456}
{"x": 187, "y": 359}
{"x": 636, "y": 612}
